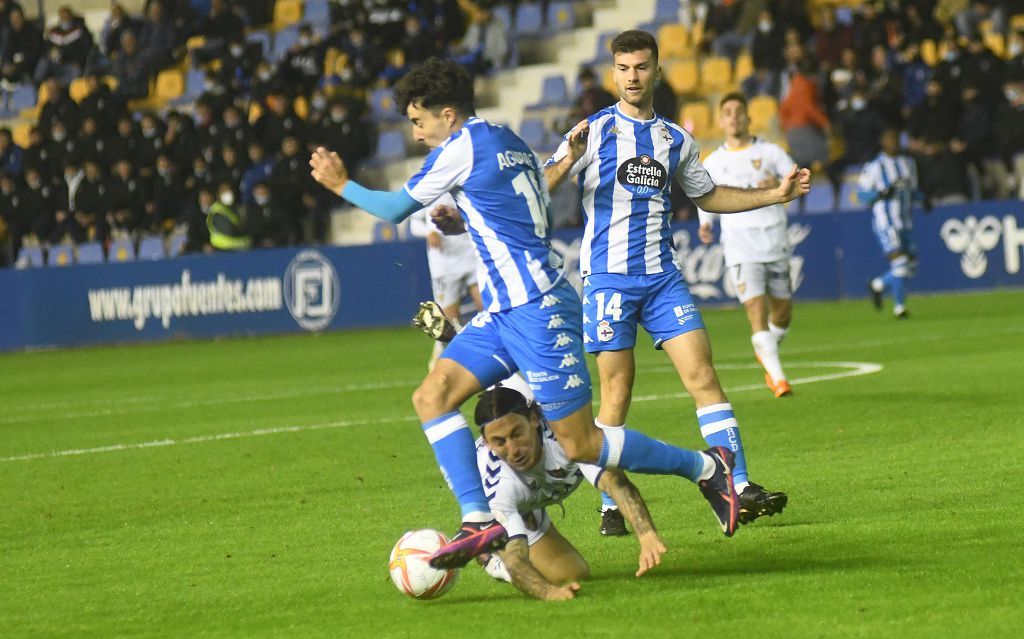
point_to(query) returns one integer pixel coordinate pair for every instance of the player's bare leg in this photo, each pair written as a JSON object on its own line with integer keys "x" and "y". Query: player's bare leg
{"x": 617, "y": 370}
{"x": 766, "y": 345}
{"x": 690, "y": 354}
{"x": 557, "y": 559}
{"x": 447, "y": 386}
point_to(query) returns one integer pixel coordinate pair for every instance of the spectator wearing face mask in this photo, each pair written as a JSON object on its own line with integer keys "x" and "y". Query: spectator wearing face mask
{"x": 261, "y": 166}
{"x": 57, "y": 105}
{"x": 303, "y": 63}
{"x": 39, "y": 204}
{"x": 68, "y": 43}
{"x": 101, "y": 104}
{"x": 227, "y": 232}
{"x": 128, "y": 193}
{"x": 151, "y": 144}
{"x": 166, "y": 198}
{"x": 92, "y": 204}
{"x": 265, "y": 221}
{"x": 343, "y": 131}
{"x": 21, "y": 49}
{"x": 238, "y": 66}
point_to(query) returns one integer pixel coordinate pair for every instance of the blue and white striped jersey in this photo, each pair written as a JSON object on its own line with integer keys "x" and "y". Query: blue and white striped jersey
{"x": 884, "y": 172}
{"x": 625, "y": 181}
{"x": 497, "y": 184}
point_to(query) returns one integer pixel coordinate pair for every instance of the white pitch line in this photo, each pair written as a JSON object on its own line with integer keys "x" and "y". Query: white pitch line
{"x": 857, "y": 368}
{"x": 204, "y": 438}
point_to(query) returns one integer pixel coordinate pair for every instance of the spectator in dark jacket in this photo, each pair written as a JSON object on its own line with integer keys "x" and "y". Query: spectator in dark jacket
{"x": 22, "y": 49}
{"x": 220, "y": 26}
{"x": 936, "y": 117}
{"x": 101, "y": 104}
{"x": 68, "y": 44}
{"x": 266, "y": 222}
{"x": 303, "y": 64}
{"x": 260, "y": 169}
{"x": 156, "y": 37}
{"x": 131, "y": 68}
{"x": 11, "y": 155}
{"x": 58, "y": 106}
{"x": 166, "y": 199}
{"x": 128, "y": 194}
{"x": 767, "y": 44}
{"x": 116, "y": 23}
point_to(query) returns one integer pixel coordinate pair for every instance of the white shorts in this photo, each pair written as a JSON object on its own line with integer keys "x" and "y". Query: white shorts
{"x": 450, "y": 289}
{"x": 755, "y": 279}
{"x": 537, "y": 524}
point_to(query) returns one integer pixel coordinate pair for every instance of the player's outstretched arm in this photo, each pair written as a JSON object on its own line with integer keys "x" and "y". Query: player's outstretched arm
{"x": 328, "y": 169}
{"x": 555, "y": 172}
{"x": 627, "y": 497}
{"x": 526, "y": 577}
{"x": 728, "y": 199}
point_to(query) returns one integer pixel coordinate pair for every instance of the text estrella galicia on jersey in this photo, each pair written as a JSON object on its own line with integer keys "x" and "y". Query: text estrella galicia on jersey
{"x": 642, "y": 175}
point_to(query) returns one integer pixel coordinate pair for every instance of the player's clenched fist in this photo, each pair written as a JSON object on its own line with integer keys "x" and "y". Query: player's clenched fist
{"x": 328, "y": 170}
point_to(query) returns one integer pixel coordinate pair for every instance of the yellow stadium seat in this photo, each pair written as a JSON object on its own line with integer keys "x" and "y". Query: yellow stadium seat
{"x": 744, "y": 68}
{"x": 195, "y": 42}
{"x": 255, "y": 112}
{"x": 716, "y": 75}
{"x": 340, "y": 64}
{"x": 997, "y": 43}
{"x": 762, "y": 110}
{"x": 929, "y": 52}
{"x": 673, "y": 42}
{"x": 608, "y": 82}
{"x": 20, "y": 134}
{"x": 301, "y": 106}
{"x": 697, "y": 35}
{"x": 170, "y": 84}
{"x": 682, "y": 76}
{"x": 696, "y": 118}
{"x": 330, "y": 57}
{"x": 1017, "y": 22}
{"x": 286, "y": 13}
{"x": 78, "y": 89}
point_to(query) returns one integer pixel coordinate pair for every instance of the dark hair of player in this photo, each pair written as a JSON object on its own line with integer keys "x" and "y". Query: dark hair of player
{"x": 434, "y": 84}
{"x": 634, "y": 40}
{"x": 735, "y": 95}
{"x": 499, "y": 401}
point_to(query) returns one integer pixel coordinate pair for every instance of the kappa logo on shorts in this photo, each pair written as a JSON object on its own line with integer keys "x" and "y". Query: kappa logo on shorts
{"x": 556, "y": 321}
{"x": 549, "y": 300}
{"x": 568, "y": 360}
{"x": 586, "y": 339}
{"x": 574, "y": 381}
{"x": 605, "y": 332}
{"x": 563, "y": 339}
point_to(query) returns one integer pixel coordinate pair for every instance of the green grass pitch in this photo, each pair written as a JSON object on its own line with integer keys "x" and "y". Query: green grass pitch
{"x": 254, "y": 487}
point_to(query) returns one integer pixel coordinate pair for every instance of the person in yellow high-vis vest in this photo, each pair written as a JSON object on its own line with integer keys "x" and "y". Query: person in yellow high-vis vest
{"x": 224, "y": 223}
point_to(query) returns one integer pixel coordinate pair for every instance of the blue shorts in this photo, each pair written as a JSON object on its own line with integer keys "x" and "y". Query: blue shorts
{"x": 542, "y": 338}
{"x": 614, "y": 304}
{"x": 894, "y": 240}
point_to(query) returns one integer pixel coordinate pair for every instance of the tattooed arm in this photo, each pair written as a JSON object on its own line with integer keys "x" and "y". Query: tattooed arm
{"x": 525, "y": 576}
{"x": 627, "y": 497}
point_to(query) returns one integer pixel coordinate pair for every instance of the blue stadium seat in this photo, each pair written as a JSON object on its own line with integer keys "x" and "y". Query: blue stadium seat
{"x": 560, "y": 16}
{"x": 263, "y": 38}
{"x": 603, "y": 55}
{"x": 390, "y": 146}
{"x": 14, "y": 102}
{"x": 529, "y": 19}
{"x": 193, "y": 87}
{"x": 90, "y": 253}
{"x": 820, "y": 199}
{"x": 666, "y": 11}
{"x": 60, "y": 255}
{"x": 151, "y": 247}
{"x": 29, "y": 256}
{"x": 848, "y": 197}
{"x": 382, "y": 105}
{"x": 177, "y": 245}
{"x": 384, "y": 232}
{"x": 504, "y": 14}
{"x": 534, "y": 133}
{"x": 122, "y": 250}
{"x": 284, "y": 39}
{"x": 316, "y": 11}
{"x": 554, "y": 91}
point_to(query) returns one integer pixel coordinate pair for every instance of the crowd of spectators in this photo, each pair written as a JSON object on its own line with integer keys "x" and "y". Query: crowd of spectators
{"x": 105, "y": 167}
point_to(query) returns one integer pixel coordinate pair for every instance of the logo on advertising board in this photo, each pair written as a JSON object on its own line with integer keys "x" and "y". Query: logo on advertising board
{"x": 312, "y": 290}
{"x": 972, "y": 239}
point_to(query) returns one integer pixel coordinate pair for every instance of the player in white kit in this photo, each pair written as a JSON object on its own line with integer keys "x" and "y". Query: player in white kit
{"x": 756, "y": 245}
{"x": 453, "y": 264}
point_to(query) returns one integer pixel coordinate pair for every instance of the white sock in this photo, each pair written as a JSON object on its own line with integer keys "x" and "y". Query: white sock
{"x": 438, "y": 349}
{"x": 767, "y": 349}
{"x": 709, "y": 467}
{"x": 779, "y": 332}
{"x": 897, "y": 309}
{"x": 877, "y": 285}
{"x": 741, "y": 486}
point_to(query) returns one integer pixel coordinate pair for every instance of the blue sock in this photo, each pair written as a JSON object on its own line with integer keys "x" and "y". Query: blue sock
{"x": 887, "y": 281}
{"x": 607, "y": 503}
{"x": 455, "y": 450}
{"x": 899, "y": 297}
{"x": 718, "y": 426}
{"x": 632, "y": 450}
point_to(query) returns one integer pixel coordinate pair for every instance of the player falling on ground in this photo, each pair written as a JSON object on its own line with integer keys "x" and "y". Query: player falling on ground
{"x": 532, "y": 319}
{"x": 452, "y": 263}
{"x": 525, "y": 470}
{"x": 888, "y": 184}
{"x": 626, "y": 157}
{"x": 756, "y": 243}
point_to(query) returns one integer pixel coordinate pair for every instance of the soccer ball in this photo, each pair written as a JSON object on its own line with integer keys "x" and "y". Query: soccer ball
{"x": 409, "y": 568}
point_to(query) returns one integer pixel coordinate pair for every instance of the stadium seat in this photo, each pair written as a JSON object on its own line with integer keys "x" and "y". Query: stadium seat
{"x": 170, "y": 84}
{"x": 534, "y": 133}
{"x": 286, "y": 13}
{"x": 78, "y": 89}
{"x": 122, "y": 250}
{"x": 316, "y": 12}
{"x": 666, "y": 11}
{"x": 193, "y": 85}
{"x": 390, "y": 146}
{"x": 762, "y": 110}
{"x": 29, "y": 257}
{"x": 554, "y": 91}
{"x": 20, "y": 134}
{"x": 529, "y": 19}
{"x": 673, "y": 42}
{"x": 60, "y": 255}
{"x": 301, "y": 106}
{"x": 929, "y": 52}
{"x": 997, "y": 43}
{"x": 696, "y": 118}
{"x": 22, "y": 97}
{"x": 848, "y": 200}
{"x": 560, "y": 16}
{"x": 263, "y": 38}
{"x": 283, "y": 40}
{"x": 682, "y": 76}
{"x": 608, "y": 81}
{"x": 604, "y": 41}
{"x": 384, "y": 232}
{"x": 90, "y": 253}
{"x": 503, "y": 14}
{"x": 382, "y": 105}
{"x": 744, "y": 68}
{"x": 820, "y": 199}
{"x": 151, "y": 247}
{"x": 176, "y": 245}
{"x": 716, "y": 76}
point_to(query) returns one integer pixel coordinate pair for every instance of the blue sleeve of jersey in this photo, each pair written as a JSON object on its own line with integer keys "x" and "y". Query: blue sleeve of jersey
{"x": 867, "y": 196}
{"x": 391, "y": 206}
